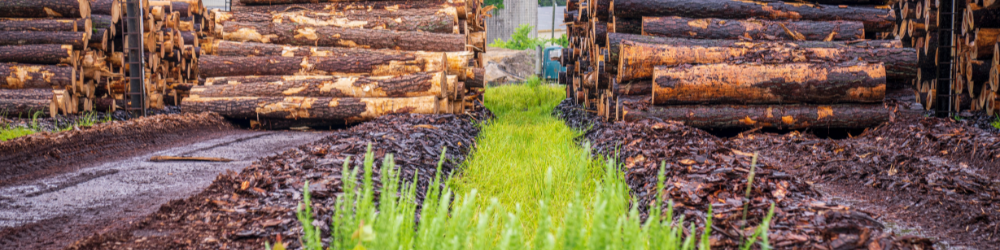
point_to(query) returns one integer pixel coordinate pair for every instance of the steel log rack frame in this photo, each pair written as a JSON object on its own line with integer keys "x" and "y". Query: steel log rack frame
{"x": 133, "y": 39}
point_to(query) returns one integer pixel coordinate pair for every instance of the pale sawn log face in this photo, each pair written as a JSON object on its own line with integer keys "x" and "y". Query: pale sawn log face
{"x": 412, "y": 85}
{"x": 714, "y": 28}
{"x": 796, "y": 116}
{"x": 326, "y": 108}
{"x": 769, "y": 84}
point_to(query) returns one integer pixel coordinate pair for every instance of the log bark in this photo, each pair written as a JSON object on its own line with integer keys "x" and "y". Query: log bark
{"x": 412, "y": 85}
{"x": 712, "y": 28}
{"x": 642, "y": 87}
{"x": 31, "y": 76}
{"x": 44, "y": 24}
{"x": 638, "y": 59}
{"x": 26, "y": 102}
{"x": 340, "y": 37}
{"x": 853, "y": 2}
{"x": 77, "y": 39}
{"x": 475, "y": 78}
{"x": 222, "y": 80}
{"x": 983, "y": 18}
{"x": 112, "y": 8}
{"x": 354, "y": 6}
{"x": 455, "y": 62}
{"x": 875, "y": 19}
{"x": 627, "y": 25}
{"x": 325, "y": 108}
{"x": 769, "y": 84}
{"x": 47, "y": 8}
{"x": 768, "y": 116}
{"x": 427, "y": 20}
{"x": 375, "y": 65}
{"x": 985, "y": 39}
{"x": 38, "y": 54}
{"x": 615, "y": 41}
{"x": 991, "y": 4}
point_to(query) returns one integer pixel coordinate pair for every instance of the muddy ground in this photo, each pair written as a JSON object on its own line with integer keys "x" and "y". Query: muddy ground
{"x": 911, "y": 183}
{"x": 243, "y": 209}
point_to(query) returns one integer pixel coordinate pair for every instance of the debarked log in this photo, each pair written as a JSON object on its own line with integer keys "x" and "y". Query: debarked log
{"x": 77, "y": 39}
{"x": 793, "y": 116}
{"x": 38, "y": 54}
{"x": 26, "y": 102}
{"x": 45, "y": 8}
{"x": 638, "y": 59}
{"x": 375, "y": 65}
{"x": 769, "y": 83}
{"x": 324, "y": 108}
{"x": 713, "y": 28}
{"x": 412, "y": 85}
{"x": 875, "y": 19}
{"x": 342, "y": 37}
{"x": 427, "y": 21}
{"x": 32, "y": 76}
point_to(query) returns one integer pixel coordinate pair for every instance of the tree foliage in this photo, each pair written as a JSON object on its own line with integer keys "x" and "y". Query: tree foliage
{"x": 522, "y": 40}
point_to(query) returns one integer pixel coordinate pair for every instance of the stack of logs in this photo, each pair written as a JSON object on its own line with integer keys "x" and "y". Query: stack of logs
{"x": 340, "y": 61}
{"x": 735, "y": 63}
{"x": 975, "y": 42}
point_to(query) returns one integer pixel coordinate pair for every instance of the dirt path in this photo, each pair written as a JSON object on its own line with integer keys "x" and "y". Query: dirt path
{"x": 53, "y": 211}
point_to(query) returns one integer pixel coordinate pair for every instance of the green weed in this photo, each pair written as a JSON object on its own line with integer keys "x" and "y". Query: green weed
{"x": 522, "y": 40}
{"x": 996, "y": 122}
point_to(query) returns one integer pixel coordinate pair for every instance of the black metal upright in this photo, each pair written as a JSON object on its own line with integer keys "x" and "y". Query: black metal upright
{"x": 945, "y": 70}
{"x": 133, "y": 42}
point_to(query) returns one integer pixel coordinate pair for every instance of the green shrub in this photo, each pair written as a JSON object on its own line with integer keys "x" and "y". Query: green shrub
{"x": 521, "y": 40}
{"x": 996, "y": 122}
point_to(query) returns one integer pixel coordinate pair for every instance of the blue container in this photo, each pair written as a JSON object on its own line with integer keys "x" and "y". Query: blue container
{"x": 551, "y": 68}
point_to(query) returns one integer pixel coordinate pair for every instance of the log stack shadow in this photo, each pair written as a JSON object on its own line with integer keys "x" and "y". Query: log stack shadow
{"x": 737, "y": 64}
{"x": 340, "y": 61}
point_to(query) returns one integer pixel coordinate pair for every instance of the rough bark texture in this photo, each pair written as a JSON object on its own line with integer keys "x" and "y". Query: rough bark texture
{"x": 640, "y": 87}
{"x": 375, "y": 65}
{"x": 853, "y": 2}
{"x": 325, "y": 108}
{"x": 985, "y": 18}
{"x": 991, "y": 4}
{"x": 427, "y": 20}
{"x": 600, "y": 33}
{"x": 638, "y": 59}
{"x": 769, "y": 116}
{"x": 77, "y": 39}
{"x": 29, "y": 76}
{"x": 769, "y": 84}
{"x": 39, "y": 54}
{"x": 712, "y": 28}
{"x": 627, "y": 25}
{"x": 985, "y": 41}
{"x": 875, "y": 19}
{"x": 615, "y": 41}
{"x": 25, "y": 102}
{"x": 111, "y": 8}
{"x": 475, "y": 78}
{"x": 453, "y": 60}
{"x": 44, "y": 24}
{"x": 46, "y": 8}
{"x": 412, "y": 85}
{"x": 343, "y": 6}
{"x": 340, "y": 37}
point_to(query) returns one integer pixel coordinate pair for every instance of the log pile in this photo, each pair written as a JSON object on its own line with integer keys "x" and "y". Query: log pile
{"x": 736, "y": 63}
{"x": 978, "y": 58}
{"x": 340, "y": 61}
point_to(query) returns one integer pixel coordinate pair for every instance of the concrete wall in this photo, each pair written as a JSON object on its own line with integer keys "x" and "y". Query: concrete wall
{"x": 515, "y": 13}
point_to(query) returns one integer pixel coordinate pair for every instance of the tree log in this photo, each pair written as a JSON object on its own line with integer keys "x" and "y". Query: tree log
{"x": 412, "y": 85}
{"x": 475, "y": 78}
{"x": 44, "y": 24}
{"x": 222, "y": 80}
{"x": 26, "y": 102}
{"x": 374, "y": 65}
{"x": 615, "y": 40}
{"x": 853, "y": 2}
{"x": 46, "y": 8}
{"x": 427, "y": 20}
{"x": 626, "y": 25}
{"x": 982, "y": 18}
{"x": 340, "y": 37}
{"x": 638, "y": 59}
{"x": 769, "y": 84}
{"x": 641, "y": 87}
{"x": 77, "y": 39}
{"x": 30, "y": 76}
{"x": 112, "y": 8}
{"x": 712, "y": 28}
{"x": 455, "y": 62}
{"x": 991, "y": 4}
{"x": 354, "y": 7}
{"x": 768, "y": 116}
{"x": 325, "y": 108}
{"x": 985, "y": 39}
{"x": 39, "y": 54}
{"x": 875, "y": 19}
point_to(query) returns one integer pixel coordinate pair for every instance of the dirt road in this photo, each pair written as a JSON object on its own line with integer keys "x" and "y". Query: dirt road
{"x": 51, "y": 212}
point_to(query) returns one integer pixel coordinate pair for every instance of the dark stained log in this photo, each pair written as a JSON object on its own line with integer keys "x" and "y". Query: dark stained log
{"x": 570, "y": 16}
{"x": 615, "y": 40}
{"x": 256, "y": 78}
{"x": 38, "y": 54}
{"x": 601, "y": 33}
{"x": 103, "y": 21}
{"x": 853, "y": 2}
{"x": 602, "y": 9}
{"x": 111, "y": 8}
{"x": 45, "y": 24}
{"x": 626, "y": 25}
{"x": 768, "y": 116}
{"x": 638, "y": 59}
{"x": 769, "y": 83}
{"x": 340, "y": 37}
{"x": 375, "y": 65}
{"x": 639, "y": 87}
{"x": 712, "y": 28}
{"x": 350, "y": 6}
{"x": 32, "y": 76}
{"x": 476, "y": 78}
{"x": 983, "y": 18}
{"x": 977, "y": 73}
{"x": 875, "y": 19}
{"x": 412, "y": 85}
{"x": 46, "y": 8}
{"x": 261, "y": 2}
{"x": 327, "y": 108}
{"x": 991, "y": 4}
{"x": 77, "y": 39}
{"x": 431, "y": 21}
{"x": 26, "y": 102}
{"x": 456, "y": 62}
{"x": 190, "y": 38}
